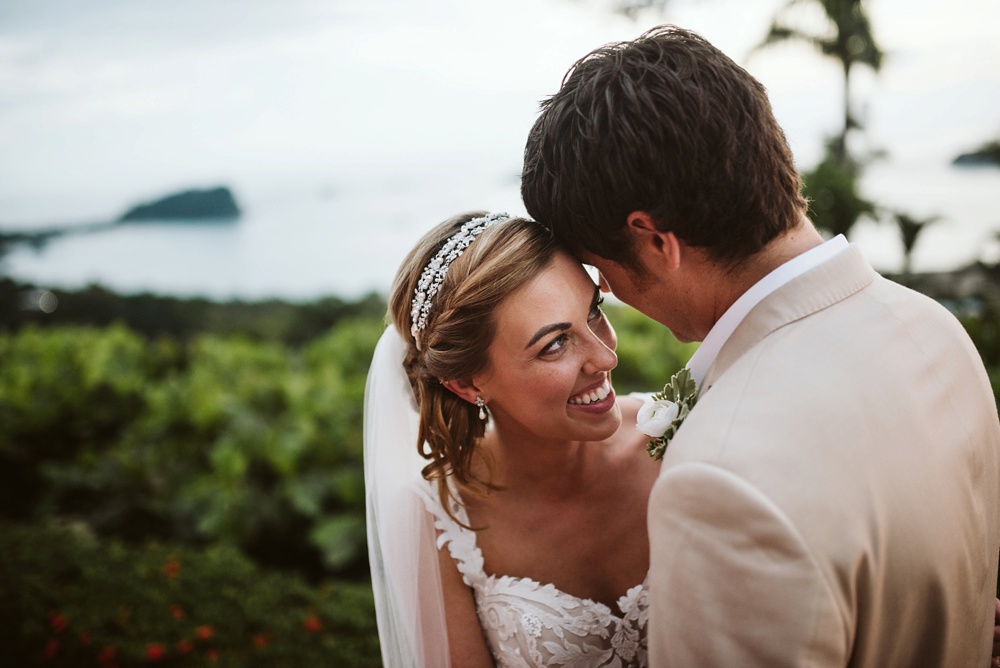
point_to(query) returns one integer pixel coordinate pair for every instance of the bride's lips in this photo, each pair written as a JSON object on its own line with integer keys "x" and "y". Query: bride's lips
{"x": 600, "y": 405}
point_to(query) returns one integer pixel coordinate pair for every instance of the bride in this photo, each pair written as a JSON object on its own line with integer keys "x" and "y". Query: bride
{"x": 506, "y": 501}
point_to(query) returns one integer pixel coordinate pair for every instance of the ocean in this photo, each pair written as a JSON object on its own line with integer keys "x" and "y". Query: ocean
{"x": 295, "y": 241}
{"x": 346, "y": 238}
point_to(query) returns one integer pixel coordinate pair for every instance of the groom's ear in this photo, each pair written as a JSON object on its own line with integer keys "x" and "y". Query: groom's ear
{"x": 652, "y": 244}
{"x": 465, "y": 389}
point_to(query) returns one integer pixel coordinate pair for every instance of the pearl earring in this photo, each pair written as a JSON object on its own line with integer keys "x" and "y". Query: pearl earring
{"x": 482, "y": 407}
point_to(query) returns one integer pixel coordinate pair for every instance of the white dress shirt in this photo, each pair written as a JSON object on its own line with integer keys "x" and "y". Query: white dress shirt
{"x": 703, "y": 358}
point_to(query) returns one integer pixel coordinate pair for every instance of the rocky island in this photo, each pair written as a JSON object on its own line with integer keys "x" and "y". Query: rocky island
{"x": 986, "y": 155}
{"x": 213, "y": 203}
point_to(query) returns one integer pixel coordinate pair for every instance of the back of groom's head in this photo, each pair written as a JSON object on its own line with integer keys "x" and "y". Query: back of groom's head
{"x": 669, "y": 125}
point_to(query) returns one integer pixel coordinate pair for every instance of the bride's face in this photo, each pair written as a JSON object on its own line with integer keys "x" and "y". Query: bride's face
{"x": 550, "y": 364}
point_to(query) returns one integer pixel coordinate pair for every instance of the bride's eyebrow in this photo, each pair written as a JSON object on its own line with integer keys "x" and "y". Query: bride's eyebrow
{"x": 562, "y": 326}
{"x": 547, "y": 329}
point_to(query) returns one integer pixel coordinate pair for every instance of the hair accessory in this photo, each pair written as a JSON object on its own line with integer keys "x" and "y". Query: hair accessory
{"x": 482, "y": 407}
{"x": 435, "y": 271}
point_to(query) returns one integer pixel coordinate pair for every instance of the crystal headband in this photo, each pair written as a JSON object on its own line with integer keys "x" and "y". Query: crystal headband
{"x": 435, "y": 271}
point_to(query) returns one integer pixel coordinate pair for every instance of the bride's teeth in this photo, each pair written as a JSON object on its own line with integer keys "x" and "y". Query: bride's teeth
{"x": 600, "y": 394}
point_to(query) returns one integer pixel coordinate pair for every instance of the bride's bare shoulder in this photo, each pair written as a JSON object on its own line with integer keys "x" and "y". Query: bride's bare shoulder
{"x": 629, "y": 406}
{"x": 632, "y": 440}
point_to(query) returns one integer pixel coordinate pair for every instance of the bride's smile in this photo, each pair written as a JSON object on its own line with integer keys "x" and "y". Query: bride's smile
{"x": 594, "y": 396}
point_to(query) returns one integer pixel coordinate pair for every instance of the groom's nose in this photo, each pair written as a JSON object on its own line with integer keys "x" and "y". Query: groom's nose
{"x": 602, "y": 283}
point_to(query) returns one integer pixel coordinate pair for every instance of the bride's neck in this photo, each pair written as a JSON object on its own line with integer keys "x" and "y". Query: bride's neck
{"x": 537, "y": 467}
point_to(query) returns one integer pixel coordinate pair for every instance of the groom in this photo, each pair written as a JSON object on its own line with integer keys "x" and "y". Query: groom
{"x": 832, "y": 500}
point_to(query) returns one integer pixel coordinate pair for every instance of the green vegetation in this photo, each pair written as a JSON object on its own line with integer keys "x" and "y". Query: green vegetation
{"x": 67, "y": 599}
{"x": 648, "y": 354}
{"x": 215, "y": 440}
{"x": 831, "y": 187}
{"x": 199, "y": 499}
{"x": 124, "y": 448}
{"x": 155, "y": 316}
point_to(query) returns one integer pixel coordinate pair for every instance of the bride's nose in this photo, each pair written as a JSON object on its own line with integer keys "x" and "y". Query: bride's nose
{"x": 601, "y": 357}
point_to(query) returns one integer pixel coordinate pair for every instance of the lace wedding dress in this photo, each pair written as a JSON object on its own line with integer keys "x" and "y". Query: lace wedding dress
{"x": 528, "y": 624}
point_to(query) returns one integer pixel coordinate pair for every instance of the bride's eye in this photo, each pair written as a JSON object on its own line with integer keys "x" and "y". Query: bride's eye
{"x": 554, "y": 346}
{"x": 596, "y": 311}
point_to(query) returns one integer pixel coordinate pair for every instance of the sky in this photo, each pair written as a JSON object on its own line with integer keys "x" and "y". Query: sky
{"x": 108, "y": 102}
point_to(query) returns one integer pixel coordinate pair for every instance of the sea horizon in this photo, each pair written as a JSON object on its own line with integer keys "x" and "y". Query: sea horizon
{"x": 345, "y": 237}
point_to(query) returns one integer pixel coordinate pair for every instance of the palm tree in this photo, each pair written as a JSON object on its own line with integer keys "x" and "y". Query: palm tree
{"x": 909, "y": 230}
{"x": 835, "y": 205}
{"x": 848, "y": 38}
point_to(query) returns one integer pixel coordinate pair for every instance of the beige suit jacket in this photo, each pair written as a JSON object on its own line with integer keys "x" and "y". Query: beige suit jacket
{"x": 832, "y": 500}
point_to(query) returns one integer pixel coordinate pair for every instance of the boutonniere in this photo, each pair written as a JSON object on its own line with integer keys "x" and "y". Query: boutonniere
{"x": 662, "y": 414}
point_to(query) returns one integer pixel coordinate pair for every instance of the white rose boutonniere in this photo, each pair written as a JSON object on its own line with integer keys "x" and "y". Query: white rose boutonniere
{"x": 662, "y": 415}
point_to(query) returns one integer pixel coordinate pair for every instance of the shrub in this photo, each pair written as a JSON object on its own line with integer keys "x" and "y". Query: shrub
{"x": 180, "y": 318}
{"x": 248, "y": 443}
{"x": 67, "y": 599}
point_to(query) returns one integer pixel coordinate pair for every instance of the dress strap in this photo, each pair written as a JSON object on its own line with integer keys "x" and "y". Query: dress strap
{"x": 461, "y": 542}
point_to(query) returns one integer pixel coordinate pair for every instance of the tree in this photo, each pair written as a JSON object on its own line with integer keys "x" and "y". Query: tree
{"x": 847, "y": 37}
{"x": 909, "y": 231}
{"x": 832, "y": 190}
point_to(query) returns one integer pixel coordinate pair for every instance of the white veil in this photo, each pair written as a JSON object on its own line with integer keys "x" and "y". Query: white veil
{"x": 406, "y": 580}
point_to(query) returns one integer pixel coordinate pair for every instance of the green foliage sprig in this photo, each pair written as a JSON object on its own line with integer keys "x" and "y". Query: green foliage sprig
{"x": 665, "y": 412}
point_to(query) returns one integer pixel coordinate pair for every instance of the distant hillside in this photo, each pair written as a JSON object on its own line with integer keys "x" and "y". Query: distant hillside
{"x": 987, "y": 154}
{"x": 293, "y": 323}
{"x": 212, "y": 203}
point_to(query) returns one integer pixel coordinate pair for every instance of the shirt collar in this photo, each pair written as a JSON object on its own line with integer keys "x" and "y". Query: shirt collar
{"x": 703, "y": 358}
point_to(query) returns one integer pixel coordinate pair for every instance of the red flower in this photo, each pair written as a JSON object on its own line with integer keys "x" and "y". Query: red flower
{"x": 177, "y": 612}
{"x": 50, "y": 650}
{"x": 172, "y": 568}
{"x": 204, "y": 632}
{"x": 213, "y": 655}
{"x": 312, "y": 624}
{"x": 155, "y": 651}
{"x": 260, "y": 640}
{"x": 58, "y": 622}
{"x": 184, "y": 647}
{"x": 107, "y": 655}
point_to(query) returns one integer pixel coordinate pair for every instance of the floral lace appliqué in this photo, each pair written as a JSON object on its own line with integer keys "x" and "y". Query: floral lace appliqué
{"x": 528, "y": 624}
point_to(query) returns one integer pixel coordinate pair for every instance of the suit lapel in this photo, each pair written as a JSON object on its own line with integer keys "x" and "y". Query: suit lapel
{"x": 836, "y": 279}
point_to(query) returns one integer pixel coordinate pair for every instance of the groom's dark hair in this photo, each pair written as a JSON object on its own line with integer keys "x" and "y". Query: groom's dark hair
{"x": 669, "y": 125}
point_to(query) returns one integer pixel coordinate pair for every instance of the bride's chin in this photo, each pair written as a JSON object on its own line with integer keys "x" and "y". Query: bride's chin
{"x": 610, "y": 423}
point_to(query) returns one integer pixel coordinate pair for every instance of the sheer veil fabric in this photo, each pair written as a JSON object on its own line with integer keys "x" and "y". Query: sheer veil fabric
{"x": 406, "y": 580}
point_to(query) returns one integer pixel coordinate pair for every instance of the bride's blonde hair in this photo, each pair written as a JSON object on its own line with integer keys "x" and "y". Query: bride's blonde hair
{"x": 458, "y": 331}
